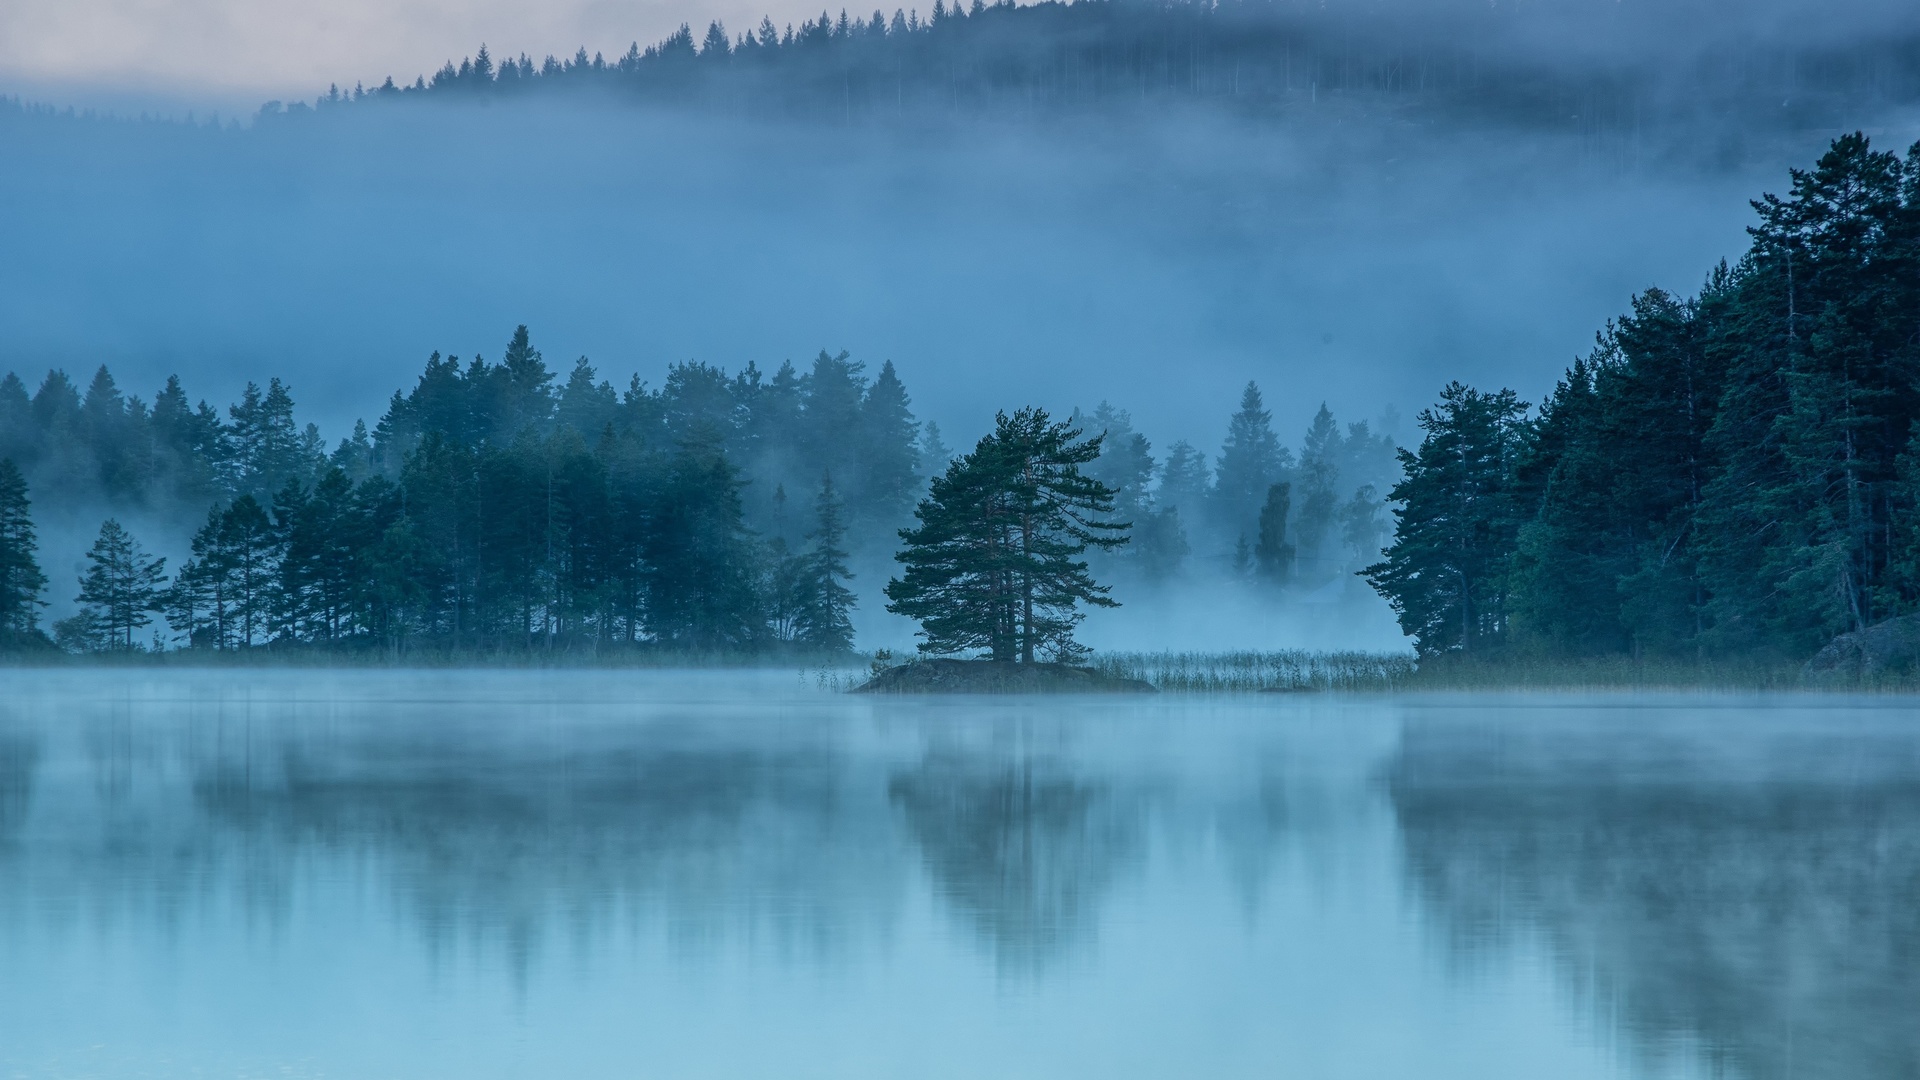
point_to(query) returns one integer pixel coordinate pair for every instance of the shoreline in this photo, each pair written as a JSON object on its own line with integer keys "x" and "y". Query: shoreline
{"x": 1277, "y": 674}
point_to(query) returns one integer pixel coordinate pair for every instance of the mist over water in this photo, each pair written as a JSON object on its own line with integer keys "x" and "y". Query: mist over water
{"x": 745, "y": 874}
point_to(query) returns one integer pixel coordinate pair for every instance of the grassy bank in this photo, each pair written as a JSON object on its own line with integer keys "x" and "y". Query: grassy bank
{"x": 1302, "y": 670}
{"x": 1248, "y": 672}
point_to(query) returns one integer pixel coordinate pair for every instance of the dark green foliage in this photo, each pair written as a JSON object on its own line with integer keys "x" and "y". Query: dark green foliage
{"x": 1822, "y": 355}
{"x": 1727, "y": 474}
{"x": 1446, "y": 574}
{"x": 118, "y": 594}
{"x": 994, "y": 563}
{"x": 21, "y": 580}
{"x": 226, "y": 595}
{"x": 824, "y": 620}
{"x": 699, "y": 567}
{"x": 489, "y": 511}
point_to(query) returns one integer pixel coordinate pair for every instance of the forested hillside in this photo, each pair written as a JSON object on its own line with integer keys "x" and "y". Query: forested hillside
{"x": 1730, "y": 472}
{"x": 1603, "y": 69}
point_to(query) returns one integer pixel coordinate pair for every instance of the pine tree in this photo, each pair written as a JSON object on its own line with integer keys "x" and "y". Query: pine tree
{"x": 825, "y": 623}
{"x": 266, "y": 447}
{"x": 1446, "y": 572}
{"x": 228, "y": 594}
{"x": 994, "y": 563}
{"x": 21, "y": 580}
{"x": 1823, "y": 384}
{"x": 118, "y": 593}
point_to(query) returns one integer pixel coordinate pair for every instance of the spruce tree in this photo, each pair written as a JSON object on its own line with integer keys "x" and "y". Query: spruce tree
{"x": 825, "y": 623}
{"x": 1318, "y": 474}
{"x": 890, "y": 450}
{"x": 1251, "y": 460}
{"x": 21, "y": 580}
{"x": 118, "y": 593}
{"x": 994, "y": 563}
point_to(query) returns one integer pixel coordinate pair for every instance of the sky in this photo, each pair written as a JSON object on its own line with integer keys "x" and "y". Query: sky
{"x": 234, "y": 54}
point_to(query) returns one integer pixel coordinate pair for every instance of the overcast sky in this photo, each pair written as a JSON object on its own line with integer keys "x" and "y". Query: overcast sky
{"x": 235, "y": 53}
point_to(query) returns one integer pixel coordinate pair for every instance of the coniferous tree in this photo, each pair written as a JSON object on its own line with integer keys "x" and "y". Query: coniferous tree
{"x": 1160, "y": 540}
{"x": 699, "y": 568}
{"x": 825, "y": 619}
{"x": 1446, "y": 573}
{"x": 1183, "y": 483}
{"x": 1823, "y": 385}
{"x": 118, "y": 593}
{"x": 994, "y": 563}
{"x": 891, "y": 452}
{"x": 1361, "y": 527}
{"x": 18, "y": 437}
{"x": 1272, "y": 555}
{"x": 21, "y": 580}
{"x": 934, "y": 452}
{"x": 1251, "y": 460}
{"x": 1318, "y": 474}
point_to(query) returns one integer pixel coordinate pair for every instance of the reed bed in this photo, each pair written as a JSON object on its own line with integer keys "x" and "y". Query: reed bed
{"x": 1251, "y": 672}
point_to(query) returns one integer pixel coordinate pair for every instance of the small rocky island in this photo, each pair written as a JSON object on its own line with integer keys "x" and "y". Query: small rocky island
{"x": 996, "y": 677}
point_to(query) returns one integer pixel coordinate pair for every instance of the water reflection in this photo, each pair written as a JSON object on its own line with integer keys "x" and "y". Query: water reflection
{"x": 18, "y": 755}
{"x": 1083, "y": 888}
{"x": 1745, "y": 885}
{"x": 1022, "y": 850}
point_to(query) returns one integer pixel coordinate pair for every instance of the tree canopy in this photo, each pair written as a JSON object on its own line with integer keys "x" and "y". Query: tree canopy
{"x": 995, "y": 563}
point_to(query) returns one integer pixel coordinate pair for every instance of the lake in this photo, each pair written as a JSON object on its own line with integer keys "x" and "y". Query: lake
{"x": 747, "y": 874}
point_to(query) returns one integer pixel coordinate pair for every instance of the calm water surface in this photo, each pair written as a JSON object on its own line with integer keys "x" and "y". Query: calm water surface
{"x": 743, "y": 875}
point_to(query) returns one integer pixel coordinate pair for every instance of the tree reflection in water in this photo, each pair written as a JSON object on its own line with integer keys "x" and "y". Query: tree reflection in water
{"x": 1022, "y": 850}
{"x": 1754, "y": 893}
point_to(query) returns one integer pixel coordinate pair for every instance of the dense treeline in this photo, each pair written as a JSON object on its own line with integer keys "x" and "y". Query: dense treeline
{"x": 488, "y": 510}
{"x": 1731, "y": 472}
{"x": 1603, "y": 68}
{"x": 497, "y": 508}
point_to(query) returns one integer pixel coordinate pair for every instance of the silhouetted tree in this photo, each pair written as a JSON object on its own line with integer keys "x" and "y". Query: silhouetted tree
{"x": 118, "y": 593}
{"x": 21, "y": 580}
{"x": 994, "y": 563}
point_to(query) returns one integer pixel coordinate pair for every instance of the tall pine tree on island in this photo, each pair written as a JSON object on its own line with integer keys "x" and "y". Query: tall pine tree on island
{"x": 21, "y": 580}
{"x": 994, "y": 564}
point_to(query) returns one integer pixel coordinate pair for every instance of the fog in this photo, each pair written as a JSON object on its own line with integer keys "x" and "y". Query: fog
{"x": 1160, "y": 265}
{"x": 1357, "y": 249}
{"x": 447, "y": 873}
